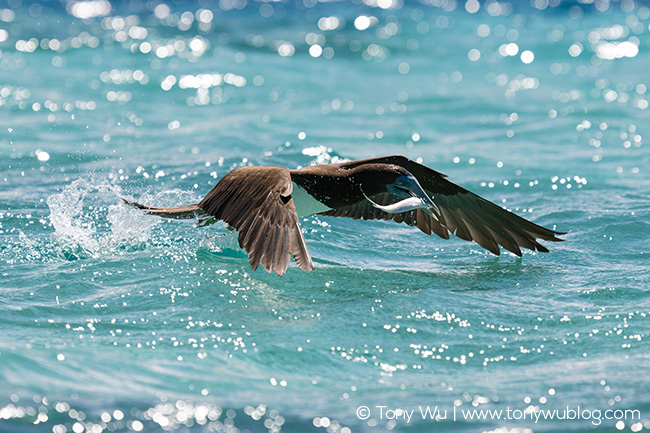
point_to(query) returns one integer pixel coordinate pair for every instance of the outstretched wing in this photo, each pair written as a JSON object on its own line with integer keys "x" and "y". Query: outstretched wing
{"x": 463, "y": 213}
{"x": 257, "y": 202}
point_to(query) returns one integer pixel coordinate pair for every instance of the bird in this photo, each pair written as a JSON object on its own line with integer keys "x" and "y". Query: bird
{"x": 265, "y": 203}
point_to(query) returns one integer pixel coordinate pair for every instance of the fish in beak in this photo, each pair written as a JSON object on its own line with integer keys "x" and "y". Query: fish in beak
{"x": 414, "y": 197}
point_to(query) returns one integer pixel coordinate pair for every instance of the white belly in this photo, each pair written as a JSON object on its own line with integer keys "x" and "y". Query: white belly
{"x": 306, "y": 204}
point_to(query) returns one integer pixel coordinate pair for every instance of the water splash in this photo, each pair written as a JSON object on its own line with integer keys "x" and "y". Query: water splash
{"x": 89, "y": 220}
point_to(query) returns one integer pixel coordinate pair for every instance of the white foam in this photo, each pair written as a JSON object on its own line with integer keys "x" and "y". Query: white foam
{"x": 89, "y": 219}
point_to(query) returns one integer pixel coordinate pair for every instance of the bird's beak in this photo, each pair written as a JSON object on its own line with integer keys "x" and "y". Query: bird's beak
{"x": 414, "y": 198}
{"x": 413, "y": 187}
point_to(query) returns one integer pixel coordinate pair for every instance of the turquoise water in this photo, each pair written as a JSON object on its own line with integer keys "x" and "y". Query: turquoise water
{"x": 114, "y": 320}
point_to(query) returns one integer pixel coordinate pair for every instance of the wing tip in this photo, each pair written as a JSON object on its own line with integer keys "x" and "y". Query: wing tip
{"x": 556, "y": 234}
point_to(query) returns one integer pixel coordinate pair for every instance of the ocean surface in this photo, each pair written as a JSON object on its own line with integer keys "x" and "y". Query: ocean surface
{"x": 111, "y": 320}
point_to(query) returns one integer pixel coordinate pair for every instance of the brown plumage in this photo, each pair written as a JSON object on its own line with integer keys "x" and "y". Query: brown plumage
{"x": 258, "y": 203}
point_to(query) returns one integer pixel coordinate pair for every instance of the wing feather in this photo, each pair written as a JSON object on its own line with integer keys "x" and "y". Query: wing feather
{"x": 463, "y": 213}
{"x": 257, "y": 202}
{"x": 298, "y": 248}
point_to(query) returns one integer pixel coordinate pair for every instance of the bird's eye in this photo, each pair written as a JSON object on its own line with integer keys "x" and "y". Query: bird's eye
{"x": 399, "y": 181}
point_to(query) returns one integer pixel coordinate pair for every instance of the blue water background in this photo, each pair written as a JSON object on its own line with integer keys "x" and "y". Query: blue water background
{"x": 113, "y": 320}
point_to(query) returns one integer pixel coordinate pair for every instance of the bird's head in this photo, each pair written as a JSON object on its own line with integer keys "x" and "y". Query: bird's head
{"x": 399, "y": 182}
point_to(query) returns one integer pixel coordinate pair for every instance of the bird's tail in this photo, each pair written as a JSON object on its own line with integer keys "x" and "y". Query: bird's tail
{"x": 178, "y": 212}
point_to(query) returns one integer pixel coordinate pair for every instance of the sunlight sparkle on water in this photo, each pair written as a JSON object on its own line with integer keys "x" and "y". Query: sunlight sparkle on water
{"x": 540, "y": 107}
{"x": 89, "y": 9}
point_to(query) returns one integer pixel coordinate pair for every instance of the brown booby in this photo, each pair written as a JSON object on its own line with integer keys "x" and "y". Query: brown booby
{"x": 264, "y": 205}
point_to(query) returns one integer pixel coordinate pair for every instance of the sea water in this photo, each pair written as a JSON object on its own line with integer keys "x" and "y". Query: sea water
{"x": 112, "y": 320}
